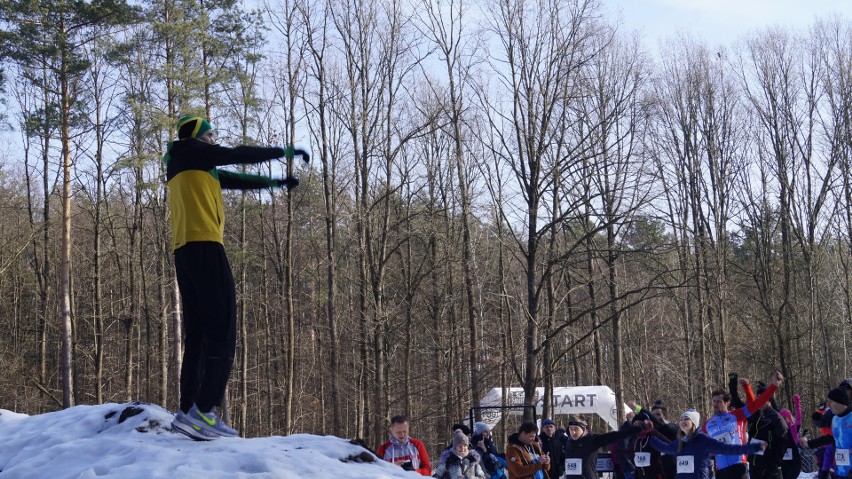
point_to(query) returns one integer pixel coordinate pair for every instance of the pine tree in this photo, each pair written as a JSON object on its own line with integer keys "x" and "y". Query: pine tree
{"x": 51, "y": 35}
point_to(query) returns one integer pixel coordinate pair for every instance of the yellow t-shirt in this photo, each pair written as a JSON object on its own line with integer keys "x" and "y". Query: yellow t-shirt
{"x": 197, "y": 214}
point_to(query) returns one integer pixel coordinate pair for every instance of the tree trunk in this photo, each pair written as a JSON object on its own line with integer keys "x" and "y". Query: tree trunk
{"x": 65, "y": 265}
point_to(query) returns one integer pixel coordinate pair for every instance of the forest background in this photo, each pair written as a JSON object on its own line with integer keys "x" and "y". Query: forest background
{"x": 506, "y": 193}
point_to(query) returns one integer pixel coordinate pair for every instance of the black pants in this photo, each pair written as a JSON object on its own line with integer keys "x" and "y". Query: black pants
{"x": 209, "y": 323}
{"x": 791, "y": 468}
{"x": 735, "y": 471}
{"x": 766, "y": 472}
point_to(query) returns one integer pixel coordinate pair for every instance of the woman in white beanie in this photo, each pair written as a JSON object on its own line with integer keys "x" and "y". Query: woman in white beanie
{"x": 693, "y": 448}
{"x": 460, "y": 461}
{"x": 482, "y": 443}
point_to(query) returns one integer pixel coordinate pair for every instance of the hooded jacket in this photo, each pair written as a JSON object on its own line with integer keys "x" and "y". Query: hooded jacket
{"x": 195, "y": 185}
{"x": 524, "y": 461}
{"x": 451, "y": 466}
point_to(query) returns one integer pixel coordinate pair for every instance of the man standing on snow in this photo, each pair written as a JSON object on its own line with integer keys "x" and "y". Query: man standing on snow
{"x": 403, "y": 450}
{"x": 203, "y": 273}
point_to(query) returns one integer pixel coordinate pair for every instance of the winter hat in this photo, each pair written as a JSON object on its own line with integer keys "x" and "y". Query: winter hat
{"x": 693, "y": 416}
{"x": 642, "y": 416}
{"x": 847, "y": 386}
{"x": 761, "y": 388}
{"x": 460, "y": 438}
{"x": 548, "y": 422}
{"x": 480, "y": 428}
{"x": 192, "y": 127}
{"x": 580, "y": 424}
{"x": 839, "y": 396}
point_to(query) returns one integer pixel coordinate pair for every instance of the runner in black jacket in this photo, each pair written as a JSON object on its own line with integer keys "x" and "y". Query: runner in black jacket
{"x": 668, "y": 430}
{"x": 551, "y": 440}
{"x": 765, "y": 424}
{"x": 581, "y": 446}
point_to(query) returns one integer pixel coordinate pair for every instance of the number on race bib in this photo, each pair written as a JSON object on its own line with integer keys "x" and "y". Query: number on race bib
{"x": 574, "y": 466}
{"x": 686, "y": 464}
{"x": 642, "y": 459}
{"x": 841, "y": 457}
{"x": 788, "y": 454}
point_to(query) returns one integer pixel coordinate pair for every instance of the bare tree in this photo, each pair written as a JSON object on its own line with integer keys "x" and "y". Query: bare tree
{"x": 327, "y": 134}
{"x": 37, "y": 124}
{"x": 288, "y": 20}
{"x": 835, "y": 35}
{"x": 380, "y": 56}
{"x": 543, "y": 47}
{"x": 781, "y": 79}
{"x": 700, "y": 148}
{"x": 613, "y": 115}
{"x": 444, "y": 24}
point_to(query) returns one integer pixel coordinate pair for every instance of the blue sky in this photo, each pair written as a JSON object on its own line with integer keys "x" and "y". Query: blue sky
{"x": 719, "y": 22}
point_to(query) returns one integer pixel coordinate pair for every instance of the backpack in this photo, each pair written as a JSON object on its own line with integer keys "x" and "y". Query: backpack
{"x": 501, "y": 472}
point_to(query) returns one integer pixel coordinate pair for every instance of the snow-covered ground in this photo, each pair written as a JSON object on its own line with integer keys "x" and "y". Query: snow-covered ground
{"x": 129, "y": 441}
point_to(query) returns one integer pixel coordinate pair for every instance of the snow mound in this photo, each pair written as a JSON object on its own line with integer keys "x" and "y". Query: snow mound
{"x": 135, "y": 440}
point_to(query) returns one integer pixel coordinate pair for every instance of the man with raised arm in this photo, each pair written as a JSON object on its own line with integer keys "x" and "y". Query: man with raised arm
{"x": 730, "y": 427}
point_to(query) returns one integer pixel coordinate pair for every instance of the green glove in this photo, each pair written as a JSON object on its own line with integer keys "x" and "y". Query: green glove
{"x": 290, "y": 152}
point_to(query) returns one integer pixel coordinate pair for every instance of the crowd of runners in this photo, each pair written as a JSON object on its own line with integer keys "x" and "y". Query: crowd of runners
{"x": 748, "y": 436}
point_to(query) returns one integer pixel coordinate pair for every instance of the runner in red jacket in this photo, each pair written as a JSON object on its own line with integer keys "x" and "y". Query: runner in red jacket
{"x": 729, "y": 427}
{"x": 403, "y": 450}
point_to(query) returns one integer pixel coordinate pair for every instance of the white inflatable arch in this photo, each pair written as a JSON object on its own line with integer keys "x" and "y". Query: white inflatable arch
{"x": 567, "y": 400}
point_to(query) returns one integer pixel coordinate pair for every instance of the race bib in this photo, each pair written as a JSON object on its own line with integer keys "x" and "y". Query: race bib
{"x": 727, "y": 438}
{"x": 759, "y": 452}
{"x": 686, "y": 464}
{"x": 788, "y": 454}
{"x": 642, "y": 459}
{"x": 574, "y": 467}
{"x": 841, "y": 457}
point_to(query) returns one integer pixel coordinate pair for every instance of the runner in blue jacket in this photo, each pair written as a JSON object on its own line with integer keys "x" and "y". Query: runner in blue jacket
{"x": 693, "y": 448}
{"x": 841, "y": 428}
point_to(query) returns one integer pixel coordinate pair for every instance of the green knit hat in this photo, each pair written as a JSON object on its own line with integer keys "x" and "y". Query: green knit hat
{"x": 192, "y": 127}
